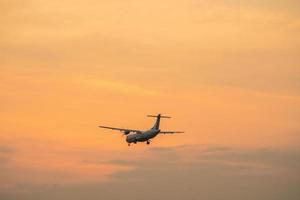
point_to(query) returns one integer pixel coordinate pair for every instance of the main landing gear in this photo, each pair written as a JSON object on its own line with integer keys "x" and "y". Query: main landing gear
{"x": 148, "y": 142}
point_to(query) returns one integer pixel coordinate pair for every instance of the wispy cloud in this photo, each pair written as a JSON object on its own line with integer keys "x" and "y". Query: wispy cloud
{"x": 190, "y": 170}
{"x": 6, "y": 149}
{"x": 5, "y": 154}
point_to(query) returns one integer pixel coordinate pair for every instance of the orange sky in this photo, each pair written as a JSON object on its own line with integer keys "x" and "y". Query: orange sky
{"x": 227, "y": 71}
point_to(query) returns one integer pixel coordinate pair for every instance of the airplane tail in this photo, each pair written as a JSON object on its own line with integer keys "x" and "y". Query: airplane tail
{"x": 158, "y": 117}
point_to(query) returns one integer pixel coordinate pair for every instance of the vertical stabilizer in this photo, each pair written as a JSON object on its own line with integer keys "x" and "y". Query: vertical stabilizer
{"x": 157, "y": 123}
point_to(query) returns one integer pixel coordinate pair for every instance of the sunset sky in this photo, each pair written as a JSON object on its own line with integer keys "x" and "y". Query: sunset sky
{"x": 227, "y": 71}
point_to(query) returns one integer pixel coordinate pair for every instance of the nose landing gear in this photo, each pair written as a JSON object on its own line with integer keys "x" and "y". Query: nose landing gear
{"x": 148, "y": 142}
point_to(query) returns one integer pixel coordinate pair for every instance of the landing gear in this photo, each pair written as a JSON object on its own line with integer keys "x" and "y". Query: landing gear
{"x": 128, "y": 144}
{"x": 148, "y": 142}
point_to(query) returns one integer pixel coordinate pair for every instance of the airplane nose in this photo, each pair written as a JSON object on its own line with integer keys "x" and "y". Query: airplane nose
{"x": 127, "y": 138}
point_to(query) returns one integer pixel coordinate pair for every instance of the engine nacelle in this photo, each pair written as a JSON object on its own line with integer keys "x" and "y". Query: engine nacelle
{"x": 126, "y": 132}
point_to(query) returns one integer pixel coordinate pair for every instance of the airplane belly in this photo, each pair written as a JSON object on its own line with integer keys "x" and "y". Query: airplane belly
{"x": 142, "y": 138}
{"x": 146, "y": 136}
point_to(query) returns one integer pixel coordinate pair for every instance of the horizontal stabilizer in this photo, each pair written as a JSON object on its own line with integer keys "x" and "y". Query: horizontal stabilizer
{"x": 170, "y": 132}
{"x": 161, "y": 116}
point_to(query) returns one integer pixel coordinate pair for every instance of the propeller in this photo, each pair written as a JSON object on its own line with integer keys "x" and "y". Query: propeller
{"x": 125, "y": 133}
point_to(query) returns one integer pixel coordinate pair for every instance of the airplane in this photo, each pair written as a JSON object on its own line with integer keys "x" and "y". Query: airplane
{"x": 143, "y": 136}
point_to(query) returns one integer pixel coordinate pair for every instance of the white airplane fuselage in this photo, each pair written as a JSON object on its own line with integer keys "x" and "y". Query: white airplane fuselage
{"x": 142, "y": 136}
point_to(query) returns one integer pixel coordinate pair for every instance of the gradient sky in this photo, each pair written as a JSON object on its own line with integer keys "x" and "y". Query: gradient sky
{"x": 228, "y": 72}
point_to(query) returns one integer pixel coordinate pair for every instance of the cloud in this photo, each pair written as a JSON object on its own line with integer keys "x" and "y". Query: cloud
{"x": 214, "y": 149}
{"x": 215, "y": 173}
{"x": 5, "y": 154}
{"x": 6, "y": 149}
{"x": 278, "y": 159}
{"x": 218, "y": 159}
{"x": 3, "y": 160}
{"x": 122, "y": 162}
{"x": 118, "y": 162}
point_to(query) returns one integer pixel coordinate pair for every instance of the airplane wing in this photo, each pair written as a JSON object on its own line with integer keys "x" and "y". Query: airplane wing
{"x": 123, "y": 130}
{"x": 170, "y": 132}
